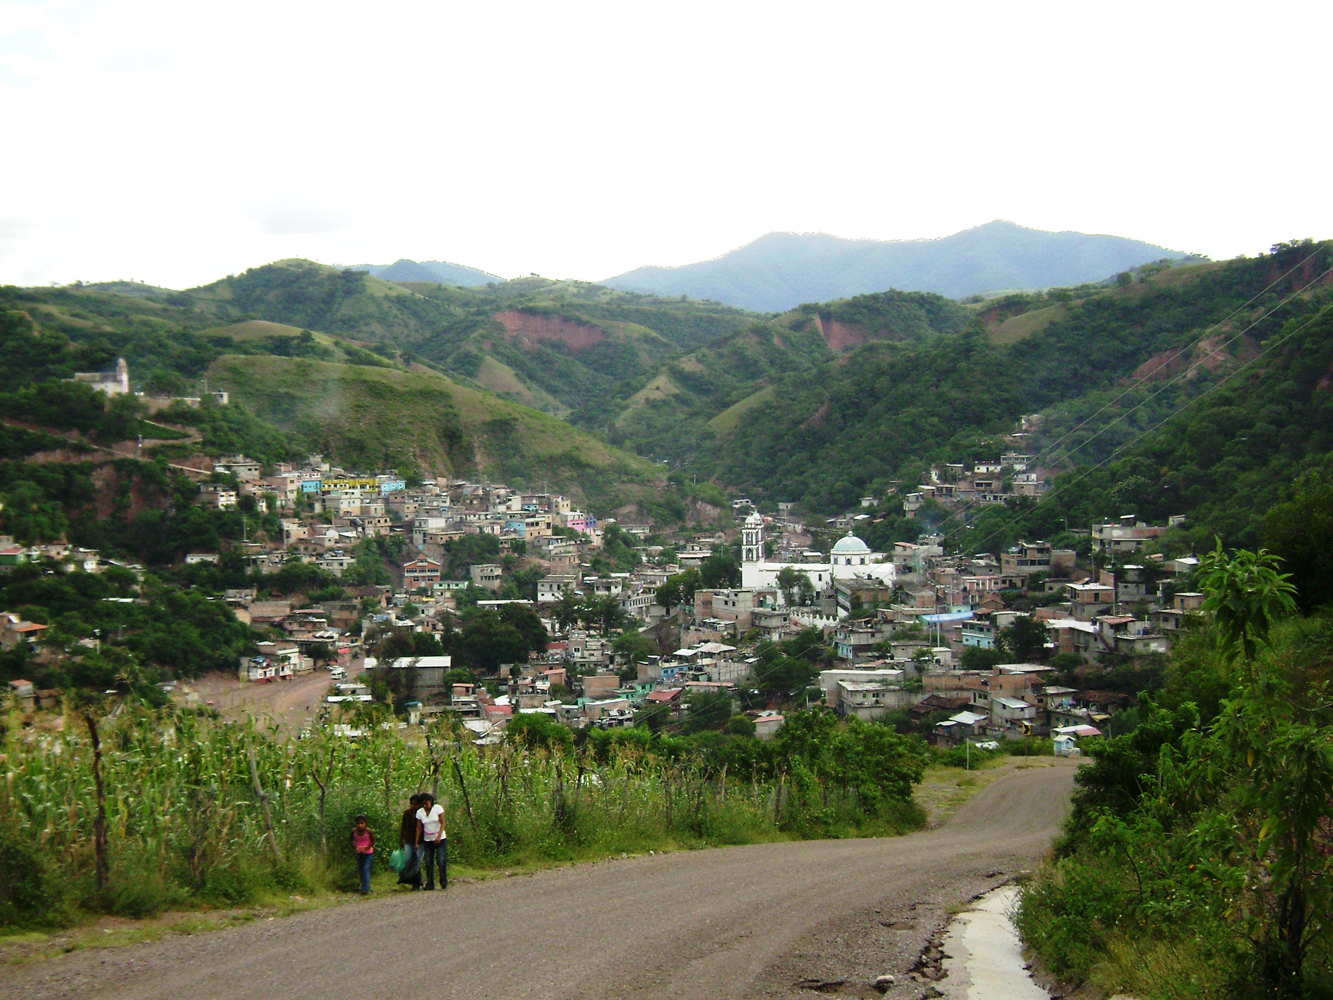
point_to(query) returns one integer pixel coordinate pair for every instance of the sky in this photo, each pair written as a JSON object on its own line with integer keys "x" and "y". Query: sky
{"x": 175, "y": 143}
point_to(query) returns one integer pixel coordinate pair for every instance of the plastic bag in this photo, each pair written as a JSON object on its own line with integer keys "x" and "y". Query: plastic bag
{"x": 398, "y": 859}
{"x": 410, "y": 874}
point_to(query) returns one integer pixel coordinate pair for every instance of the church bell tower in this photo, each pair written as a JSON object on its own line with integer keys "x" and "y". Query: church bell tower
{"x": 752, "y": 539}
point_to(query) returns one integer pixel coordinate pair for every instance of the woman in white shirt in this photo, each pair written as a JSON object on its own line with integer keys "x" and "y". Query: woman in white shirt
{"x": 432, "y": 842}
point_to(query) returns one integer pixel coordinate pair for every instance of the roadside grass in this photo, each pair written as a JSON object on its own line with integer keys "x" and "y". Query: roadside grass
{"x": 117, "y": 932}
{"x": 1089, "y": 956}
{"x": 190, "y": 827}
{"x": 943, "y": 789}
{"x": 95, "y": 932}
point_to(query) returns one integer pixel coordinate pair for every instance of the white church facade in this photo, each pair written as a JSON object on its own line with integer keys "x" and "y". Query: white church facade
{"x": 115, "y": 382}
{"x": 851, "y": 558}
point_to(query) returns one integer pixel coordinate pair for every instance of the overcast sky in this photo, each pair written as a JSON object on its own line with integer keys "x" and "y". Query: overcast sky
{"x": 178, "y": 142}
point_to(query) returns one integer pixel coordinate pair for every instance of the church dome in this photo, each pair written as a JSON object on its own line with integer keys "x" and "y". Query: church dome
{"x": 850, "y": 545}
{"x": 754, "y": 520}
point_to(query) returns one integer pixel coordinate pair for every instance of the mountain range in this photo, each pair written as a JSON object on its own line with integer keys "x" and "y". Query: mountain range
{"x": 782, "y": 270}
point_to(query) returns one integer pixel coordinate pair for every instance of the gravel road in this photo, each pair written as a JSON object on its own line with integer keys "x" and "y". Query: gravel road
{"x": 723, "y": 923}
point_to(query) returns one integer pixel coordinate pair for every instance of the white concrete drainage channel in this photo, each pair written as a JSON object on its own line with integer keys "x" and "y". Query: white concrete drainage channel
{"x": 983, "y": 956}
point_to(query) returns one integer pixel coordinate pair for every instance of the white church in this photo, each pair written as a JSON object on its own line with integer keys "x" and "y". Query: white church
{"x": 851, "y": 558}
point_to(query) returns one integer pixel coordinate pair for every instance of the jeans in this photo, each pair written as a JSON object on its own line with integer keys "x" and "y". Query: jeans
{"x": 431, "y": 851}
{"x": 363, "y": 868}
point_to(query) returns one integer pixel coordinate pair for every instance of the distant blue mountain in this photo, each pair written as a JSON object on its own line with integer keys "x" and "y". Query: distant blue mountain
{"x": 429, "y": 270}
{"x": 782, "y": 270}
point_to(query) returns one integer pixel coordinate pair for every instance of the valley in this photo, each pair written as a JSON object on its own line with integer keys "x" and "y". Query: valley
{"x": 716, "y": 577}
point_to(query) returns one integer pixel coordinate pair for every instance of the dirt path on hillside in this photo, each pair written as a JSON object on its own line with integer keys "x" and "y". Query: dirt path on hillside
{"x": 716, "y": 924}
{"x": 290, "y": 703}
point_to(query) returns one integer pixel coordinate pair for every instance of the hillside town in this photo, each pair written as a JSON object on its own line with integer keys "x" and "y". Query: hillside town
{"x": 913, "y": 635}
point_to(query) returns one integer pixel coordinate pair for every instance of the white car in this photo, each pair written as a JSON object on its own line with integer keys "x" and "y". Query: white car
{"x": 337, "y": 674}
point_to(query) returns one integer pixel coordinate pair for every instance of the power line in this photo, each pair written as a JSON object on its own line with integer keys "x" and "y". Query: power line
{"x": 1046, "y": 452}
{"x": 1134, "y": 440}
{"x": 1202, "y": 337}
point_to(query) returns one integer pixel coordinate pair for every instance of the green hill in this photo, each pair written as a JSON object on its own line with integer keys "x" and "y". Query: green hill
{"x": 820, "y": 405}
{"x": 556, "y": 345}
{"x": 294, "y": 390}
{"x": 678, "y": 411}
{"x": 374, "y": 418}
{"x": 873, "y": 417}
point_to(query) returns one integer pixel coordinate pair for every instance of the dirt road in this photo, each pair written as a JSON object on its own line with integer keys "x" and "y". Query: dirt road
{"x": 292, "y": 703}
{"x": 716, "y": 924}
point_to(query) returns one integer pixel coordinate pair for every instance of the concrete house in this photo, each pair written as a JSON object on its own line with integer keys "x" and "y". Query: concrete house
{"x": 486, "y": 575}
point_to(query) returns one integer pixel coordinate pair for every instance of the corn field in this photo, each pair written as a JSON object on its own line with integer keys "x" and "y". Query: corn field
{"x": 204, "y": 812}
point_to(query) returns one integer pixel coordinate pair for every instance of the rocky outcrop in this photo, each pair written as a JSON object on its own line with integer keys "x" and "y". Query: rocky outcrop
{"x": 841, "y": 336}
{"x": 530, "y": 328}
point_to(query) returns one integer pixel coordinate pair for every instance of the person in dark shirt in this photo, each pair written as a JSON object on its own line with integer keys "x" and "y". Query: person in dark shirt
{"x": 407, "y": 839}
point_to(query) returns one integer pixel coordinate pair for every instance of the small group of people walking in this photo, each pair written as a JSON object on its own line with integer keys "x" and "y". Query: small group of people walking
{"x": 421, "y": 838}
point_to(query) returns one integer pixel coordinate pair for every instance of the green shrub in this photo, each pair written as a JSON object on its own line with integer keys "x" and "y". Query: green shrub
{"x": 28, "y": 893}
{"x": 963, "y": 756}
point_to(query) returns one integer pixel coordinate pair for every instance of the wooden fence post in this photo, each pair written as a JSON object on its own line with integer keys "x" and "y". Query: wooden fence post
{"x": 263, "y": 802}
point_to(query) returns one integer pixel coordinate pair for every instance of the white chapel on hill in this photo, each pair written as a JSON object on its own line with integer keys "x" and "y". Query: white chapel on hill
{"x": 850, "y": 559}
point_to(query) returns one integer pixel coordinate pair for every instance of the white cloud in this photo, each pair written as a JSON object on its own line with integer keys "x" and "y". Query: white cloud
{"x": 178, "y": 142}
{"x": 297, "y": 217}
{"x": 136, "y": 61}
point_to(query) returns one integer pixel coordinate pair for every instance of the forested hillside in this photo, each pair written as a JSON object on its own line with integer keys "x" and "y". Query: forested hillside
{"x": 1257, "y": 439}
{"x": 874, "y": 418}
{"x": 717, "y": 391}
{"x": 820, "y": 405}
{"x": 99, "y": 471}
{"x": 550, "y": 345}
{"x": 378, "y": 418}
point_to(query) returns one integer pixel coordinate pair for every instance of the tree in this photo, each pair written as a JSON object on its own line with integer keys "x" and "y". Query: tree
{"x": 535, "y": 731}
{"x": 721, "y": 570}
{"x": 1278, "y": 764}
{"x": 1245, "y": 594}
{"x": 609, "y": 615}
{"x": 1299, "y": 532}
{"x": 1025, "y": 639}
{"x": 976, "y": 658}
{"x": 741, "y": 725}
{"x": 566, "y": 611}
{"x": 634, "y": 646}
{"x": 488, "y": 639}
{"x": 708, "y": 710}
{"x": 528, "y": 624}
{"x": 668, "y": 594}
{"x": 795, "y": 585}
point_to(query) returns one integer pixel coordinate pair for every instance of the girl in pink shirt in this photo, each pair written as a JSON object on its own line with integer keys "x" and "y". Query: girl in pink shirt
{"x": 363, "y": 843}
